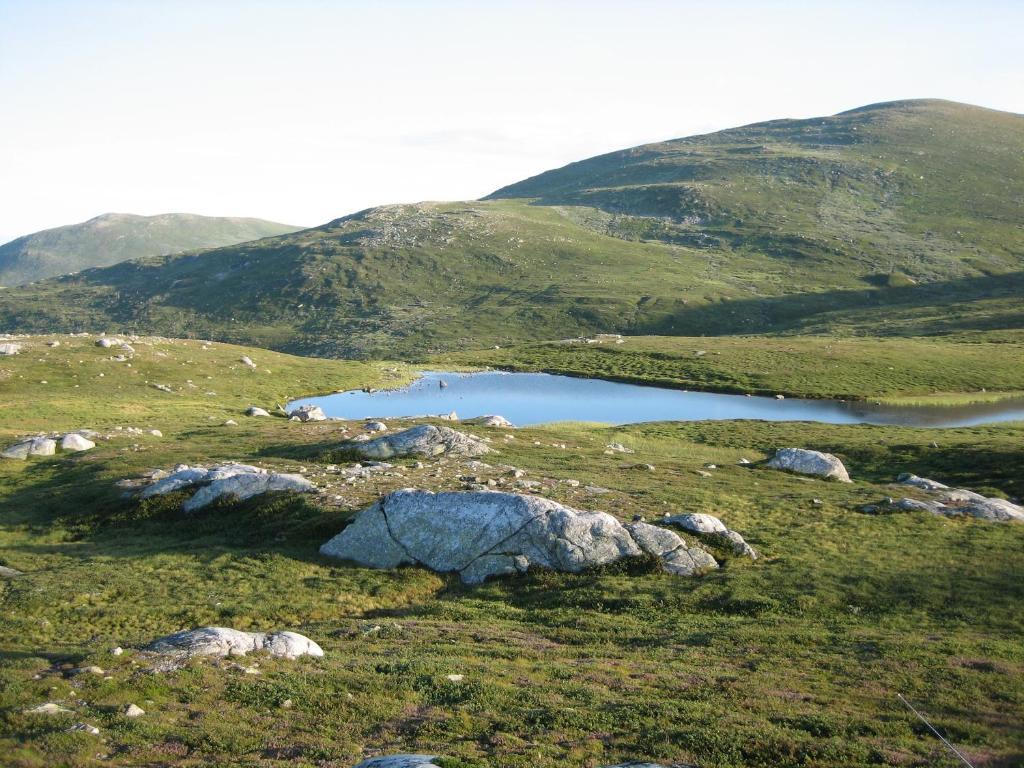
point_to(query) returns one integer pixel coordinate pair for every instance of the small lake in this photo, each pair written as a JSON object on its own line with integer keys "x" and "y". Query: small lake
{"x": 537, "y": 398}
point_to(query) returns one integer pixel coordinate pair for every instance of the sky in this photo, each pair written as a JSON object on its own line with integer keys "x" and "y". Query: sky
{"x": 300, "y": 111}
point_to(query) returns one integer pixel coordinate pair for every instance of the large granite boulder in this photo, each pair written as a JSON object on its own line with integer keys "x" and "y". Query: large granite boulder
{"x": 222, "y": 641}
{"x": 308, "y": 413}
{"x": 237, "y": 481}
{"x": 422, "y": 440}
{"x": 709, "y": 525}
{"x": 805, "y": 462}
{"x": 478, "y": 534}
{"x": 74, "y": 442}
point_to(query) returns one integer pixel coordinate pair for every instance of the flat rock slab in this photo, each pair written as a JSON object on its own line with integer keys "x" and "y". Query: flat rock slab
{"x": 422, "y": 440}
{"x": 958, "y": 502}
{"x": 806, "y": 462}
{"x": 222, "y": 641}
{"x": 479, "y": 534}
{"x": 237, "y": 481}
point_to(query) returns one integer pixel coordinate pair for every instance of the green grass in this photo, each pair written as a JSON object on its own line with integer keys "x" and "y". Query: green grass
{"x": 928, "y": 371}
{"x": 793, "y": 660}
{"x": 897, "y": 220}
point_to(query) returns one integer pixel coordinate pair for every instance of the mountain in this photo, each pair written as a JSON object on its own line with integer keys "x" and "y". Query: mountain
{"x": 115, "y": 237}
{"x": 898, "y": 218}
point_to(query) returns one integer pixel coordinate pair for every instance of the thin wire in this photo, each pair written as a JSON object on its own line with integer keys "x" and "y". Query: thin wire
{"x": 942, "y": 738}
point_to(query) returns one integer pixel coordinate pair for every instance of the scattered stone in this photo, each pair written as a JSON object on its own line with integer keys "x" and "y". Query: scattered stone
{"x": 308, "y": 413}
{"x": 53, "y": 344}
{"x": 478, "y": 534}
{"x": 9, "y": 573}
{"x": 455, "y": 678}
{"x": 375, "y": 426}
{"x": 450, "y": 416}
{"x": 619, "y": 448}
{"x": 75, "y": 442}
{"x": 252, "y": 410}
{"x": 134, "y": 710}
{"x": 422, "y": 440}
{"x": 156, "y": 433}
{"x": 247, "y": 361}
{"x": 743, "y": 462}
{"x": 116, "y": 651}
{"x": 107, "y": 343}
{"x": 161, "y": 387}
{"x": 9, "y": 349}
{"x": 230, "y": 423}
{"x": 222, "y": 641}
{"x": 806, "y": 462}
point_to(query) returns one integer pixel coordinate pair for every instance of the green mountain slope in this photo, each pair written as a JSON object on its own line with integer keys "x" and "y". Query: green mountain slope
{"x": 114, "y": 237}
{"x": 902, "y": 218}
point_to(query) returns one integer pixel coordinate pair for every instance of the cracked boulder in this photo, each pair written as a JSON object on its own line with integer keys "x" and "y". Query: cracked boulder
{"x": 709, "y": 525}
{"x": 222, "y": 641}
{"x": 478, "y": 534}
{"x": 237, "y": 481}
{"x": 33, "y": 446}
{"x": 806, "y": 462}
{"x": 422, "y": 440}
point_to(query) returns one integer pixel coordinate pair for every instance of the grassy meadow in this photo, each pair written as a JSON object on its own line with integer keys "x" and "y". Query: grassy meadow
{"x": 792, "y": 660}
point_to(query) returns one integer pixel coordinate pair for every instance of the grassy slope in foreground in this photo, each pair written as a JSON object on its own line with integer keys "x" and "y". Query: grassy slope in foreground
{"x": 115, "y": 237}
{"x": 793, "y": 660}
{"x": 900, "y": 219}
{"x": 908, "y": 370}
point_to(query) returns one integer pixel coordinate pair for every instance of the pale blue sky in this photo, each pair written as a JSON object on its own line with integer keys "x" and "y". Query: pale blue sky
{"x": 303, "y": 111}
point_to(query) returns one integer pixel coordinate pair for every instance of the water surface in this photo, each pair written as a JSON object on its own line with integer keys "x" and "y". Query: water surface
{"x": 537, "y": 398}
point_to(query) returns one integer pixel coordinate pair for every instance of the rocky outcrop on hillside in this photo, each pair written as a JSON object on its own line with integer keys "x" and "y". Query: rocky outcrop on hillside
{"x": 479, "y": 534}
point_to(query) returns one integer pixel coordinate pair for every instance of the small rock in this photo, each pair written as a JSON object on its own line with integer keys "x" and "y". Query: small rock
{"x": 90, "y": 670}
{"x": 133, "y": 710}
{"x": 9, "y": 349}
{"x": 375, "y": 426}
{"x": 84, "y": 728}
{"x": 230, "y": 423}
{"x": 247, "y": 361}
{"x": 252, "y": 410}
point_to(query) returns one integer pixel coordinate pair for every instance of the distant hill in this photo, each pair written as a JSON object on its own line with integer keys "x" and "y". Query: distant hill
{"x": 899, "y": 218}
{"x": 114, "y": 237}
